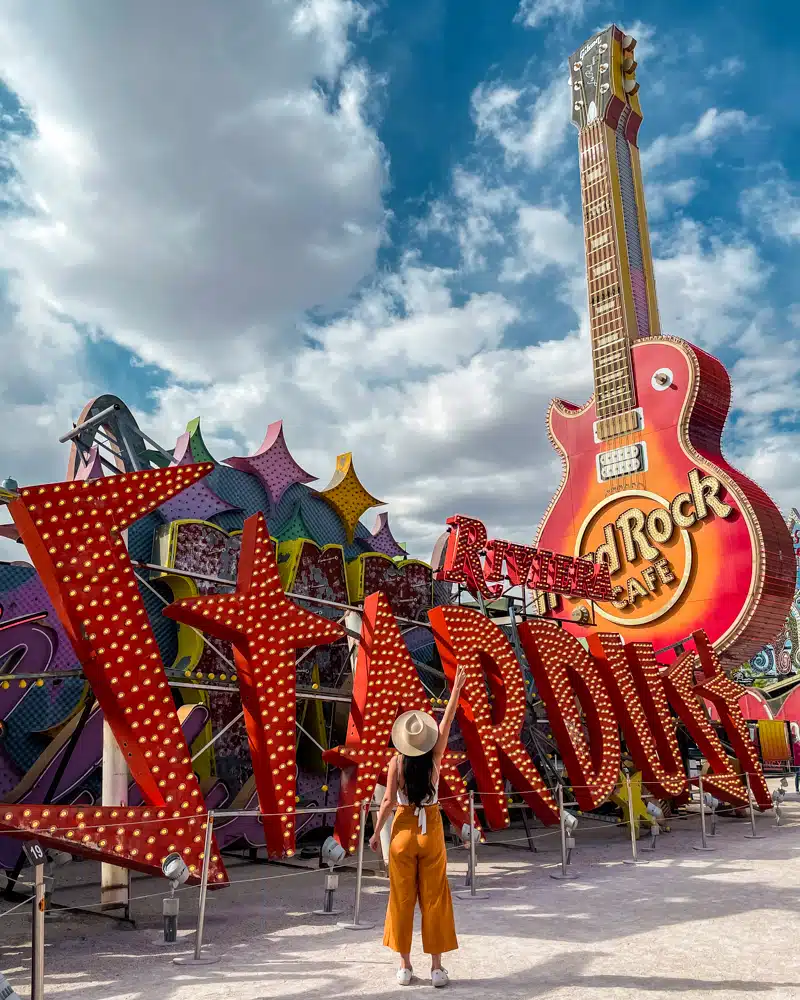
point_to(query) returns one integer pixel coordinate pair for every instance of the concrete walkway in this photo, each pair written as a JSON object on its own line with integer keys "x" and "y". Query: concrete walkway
{"x": 724, "y": 924}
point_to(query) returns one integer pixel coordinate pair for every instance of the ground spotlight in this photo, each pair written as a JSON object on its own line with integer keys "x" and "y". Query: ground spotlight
{"x": 332, "y": 852}
{"x": 175, "y": 869}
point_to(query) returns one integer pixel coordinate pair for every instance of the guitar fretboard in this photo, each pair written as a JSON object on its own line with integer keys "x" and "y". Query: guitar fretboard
{"x": 618, "y": 301}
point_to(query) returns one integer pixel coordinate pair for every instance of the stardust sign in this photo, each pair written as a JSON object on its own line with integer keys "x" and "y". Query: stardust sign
{"x": 74, "y": 534}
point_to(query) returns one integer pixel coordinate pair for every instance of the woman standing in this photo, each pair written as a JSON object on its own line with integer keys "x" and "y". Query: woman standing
{"x": 417, "y": 857}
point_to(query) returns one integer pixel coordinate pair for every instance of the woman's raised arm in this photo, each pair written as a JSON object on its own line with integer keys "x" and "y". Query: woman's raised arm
{"x": 449, "y": 715}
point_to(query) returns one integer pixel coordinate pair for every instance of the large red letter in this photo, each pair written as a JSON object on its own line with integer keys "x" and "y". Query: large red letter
{"x": 73, "y": 532}
{"x": 681, "y": 691}
{"x": 265, "y": 629}
{"x": 562, "y": 669}
{"x": 724, "y": 694}
{"x": 492, "y": 735}
{"x": 462, "y": 560}
{"x": 637, "y": 692}
{"x": 385, "y": 684}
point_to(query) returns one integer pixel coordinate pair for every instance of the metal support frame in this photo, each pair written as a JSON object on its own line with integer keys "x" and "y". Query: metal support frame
{"x": 703, "y": 845}
{"x": 37, "y": 942}
{"x": 473, "y": 857}
{"x": 358, "y": 924}
{"x": 564, "y": 874}
{"x": 753, "y": 835}
{"x": 198, "y": 958}
{"x": 634, "y": 859}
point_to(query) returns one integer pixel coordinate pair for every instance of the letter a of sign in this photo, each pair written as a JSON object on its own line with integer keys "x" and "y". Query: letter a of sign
{"x": 492, "y": 733}
{"x": 73, "y": 532}
{"x": 265, "y": 629}
{"x": 386, "y": 683}
{"x": 562, "y": 670}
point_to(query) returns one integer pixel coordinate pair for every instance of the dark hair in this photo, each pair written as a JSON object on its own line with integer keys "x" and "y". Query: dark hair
{"x": 417, "y": 777}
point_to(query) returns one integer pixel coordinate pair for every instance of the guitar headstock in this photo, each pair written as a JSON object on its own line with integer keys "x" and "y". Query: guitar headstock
{"x": 603, "y": 78}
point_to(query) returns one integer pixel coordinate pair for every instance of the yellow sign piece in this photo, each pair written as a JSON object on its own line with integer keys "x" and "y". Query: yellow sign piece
{"x": 774, "y": 742}
{"x": 346, "y": 494}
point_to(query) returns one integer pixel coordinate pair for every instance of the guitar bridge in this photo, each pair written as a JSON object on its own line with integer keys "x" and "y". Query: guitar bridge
{"x": 619, "y": 462}
{"x": 622, "y": 423}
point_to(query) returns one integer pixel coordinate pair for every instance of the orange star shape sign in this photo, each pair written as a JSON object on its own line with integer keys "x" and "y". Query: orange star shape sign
{"x": 265, "y": 629}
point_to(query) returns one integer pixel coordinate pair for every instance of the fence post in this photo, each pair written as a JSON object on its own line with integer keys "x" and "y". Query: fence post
{"x": 356, "y": 924}
{"x": 562, "y": 818}
{"x": 703, "y": 845}
{"x": 198, "y": 958}
{"x": 752, "y": 835}
{"x": 634, "y": 859}
{"x": 37, "y": 944}
{"x": 473, "y": 857}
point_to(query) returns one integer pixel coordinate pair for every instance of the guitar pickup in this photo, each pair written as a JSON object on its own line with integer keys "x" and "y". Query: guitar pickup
{"x": 622, "y": 423}
{"x": 619, "y": 462}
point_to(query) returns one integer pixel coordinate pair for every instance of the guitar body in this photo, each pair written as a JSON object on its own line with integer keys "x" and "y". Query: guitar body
{"x": 728, "y": 564}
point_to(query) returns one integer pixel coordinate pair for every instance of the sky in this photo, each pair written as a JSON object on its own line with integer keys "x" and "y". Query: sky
{"x": 363, "y": 218}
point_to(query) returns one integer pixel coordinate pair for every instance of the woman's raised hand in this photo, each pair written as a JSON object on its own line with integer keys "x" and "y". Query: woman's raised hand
{"x": 458, "y": 683}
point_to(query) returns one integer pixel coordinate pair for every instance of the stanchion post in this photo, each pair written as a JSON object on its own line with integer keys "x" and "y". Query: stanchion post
{"x": 37, "y": 958}
{"x": 703, "y": 845}
{"x": 198, "y": 958}
{"x": 473, "y": 856}
{"x": 752, "y": 835}
{"x": 634, "y": 859}
{"x": 564, "y": 874}
{"x": 356, "y": 924}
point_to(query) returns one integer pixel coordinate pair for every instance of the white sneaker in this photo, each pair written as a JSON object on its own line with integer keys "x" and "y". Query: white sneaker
{"x": 404, "y": 976}
{"x": 439, "y": 977}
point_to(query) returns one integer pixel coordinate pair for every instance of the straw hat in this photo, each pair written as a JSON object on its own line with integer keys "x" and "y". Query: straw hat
{"x": 415, "y": 733}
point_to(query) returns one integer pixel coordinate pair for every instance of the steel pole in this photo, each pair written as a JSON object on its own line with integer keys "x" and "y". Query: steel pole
{"x": 356, "y": 924}
{"x": 634, "y": 859}
{"x": 562, "y": 817}
{"x": 752, "y": 835}
{"x": 703, "y": 845}
{"x": 473, "y": 856}
{"x": 37, "y": 958}
{"x": 198, "y": 958}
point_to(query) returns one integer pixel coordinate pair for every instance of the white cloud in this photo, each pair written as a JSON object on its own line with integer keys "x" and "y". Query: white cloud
{"x": 545, "y": 237}
{"x": 707, "y": 289}
{"x": 534, "y": 13}
{"x": 211, "y": 197}
{"x": 773, "y": 206}
{"x": 732, "y": 66}
{"x": 660, "y": 197}
{"x": 712, "y": 126}
{"x": 531, "y": 125}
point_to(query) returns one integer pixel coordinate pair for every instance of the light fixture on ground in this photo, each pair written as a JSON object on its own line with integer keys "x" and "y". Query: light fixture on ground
{"x": 176, "y": 870}
{"x": 656, "y": 814}
{"x": 713, "y": 803}
{"x": 332, "y": 854}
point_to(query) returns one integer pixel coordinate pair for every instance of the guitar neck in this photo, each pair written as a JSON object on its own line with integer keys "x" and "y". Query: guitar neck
{"x": 619, "y": 270}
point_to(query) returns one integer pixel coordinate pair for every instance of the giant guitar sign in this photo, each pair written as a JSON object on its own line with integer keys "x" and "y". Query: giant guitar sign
{"x": 687, "y": 539}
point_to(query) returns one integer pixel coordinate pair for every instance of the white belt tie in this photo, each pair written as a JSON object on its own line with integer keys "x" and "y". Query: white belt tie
{"x": 422, "y": 815}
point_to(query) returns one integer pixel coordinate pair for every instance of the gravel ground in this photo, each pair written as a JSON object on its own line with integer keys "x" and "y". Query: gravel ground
{"x": 687, "y": 924}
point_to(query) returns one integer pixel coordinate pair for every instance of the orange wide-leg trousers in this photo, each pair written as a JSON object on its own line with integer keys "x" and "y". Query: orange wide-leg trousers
{"x": 418, "y": 871}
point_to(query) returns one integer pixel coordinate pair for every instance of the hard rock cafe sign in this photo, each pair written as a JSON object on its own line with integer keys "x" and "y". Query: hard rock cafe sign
{"x": 644, "y": 541}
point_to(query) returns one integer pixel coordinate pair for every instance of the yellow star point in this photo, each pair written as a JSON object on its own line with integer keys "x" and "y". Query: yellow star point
{"x": 346, "y": 494}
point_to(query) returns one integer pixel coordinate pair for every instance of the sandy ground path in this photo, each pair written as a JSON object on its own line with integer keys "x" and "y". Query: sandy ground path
{"x": 724, "y": 924}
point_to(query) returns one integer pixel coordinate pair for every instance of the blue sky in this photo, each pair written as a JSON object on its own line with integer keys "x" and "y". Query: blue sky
{"x": 364, "y": 219}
